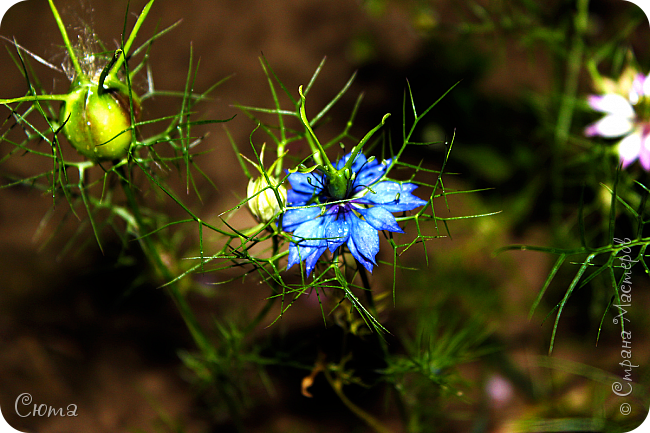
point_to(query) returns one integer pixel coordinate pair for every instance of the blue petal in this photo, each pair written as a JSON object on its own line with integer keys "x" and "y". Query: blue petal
{"x": 307, "y": 183}
{"x": 295, "y": 255}
{"x": 353, "y": 250}
{"x": 337, "y": 230}
{"x": 308, "y": 243}
{"x": 311, "y": 261}
{"x": 363, "y": 242}
{"x": 310, "y": 233}
{"x": 369, "y": 174}
{"x": 393, "y": 197}
{"x": 309, "y": 255}
{"x": 292, "y": 218}
{"x": 295, "y": 198}
{"x": 379, "y": 218}
{"x": 359, "y": 161}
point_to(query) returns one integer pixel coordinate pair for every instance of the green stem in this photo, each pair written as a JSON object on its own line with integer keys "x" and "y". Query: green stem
{"x": 364, "y": 140}
{"x": 152, "y": 252}
{"x": 382, "y": 342}
{"x": 321, "y": 155}
{"x": 32, "y": 98}
{"x": 279, "y": 157}
{"x": 283, "y": 136}
{"x": 270, "y": 301}
{"x": 371, "y": 304}
{"x": 371, "y": 421}
{"x": 66, "y": 40}
{"x": 567, "y": 108}
{"x": 129, "y": 42}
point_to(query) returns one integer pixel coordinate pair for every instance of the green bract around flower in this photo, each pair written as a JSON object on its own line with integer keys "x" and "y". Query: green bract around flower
{"x": 322, "y": 221}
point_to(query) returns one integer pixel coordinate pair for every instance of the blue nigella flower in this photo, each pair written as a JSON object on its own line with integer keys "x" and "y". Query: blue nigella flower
{"x": 354, "y": 220}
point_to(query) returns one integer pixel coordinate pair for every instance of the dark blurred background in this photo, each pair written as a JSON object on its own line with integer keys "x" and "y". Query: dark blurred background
{"x": 72, "y": 329}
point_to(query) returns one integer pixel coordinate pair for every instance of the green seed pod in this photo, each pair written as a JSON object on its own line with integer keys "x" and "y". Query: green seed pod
{"x": 338, "y": 182}
{"x": 265, "y": 204}
{"x": 97, "y": 122}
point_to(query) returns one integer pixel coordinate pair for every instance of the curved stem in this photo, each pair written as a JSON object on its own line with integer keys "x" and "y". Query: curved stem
{"x": 363, "y": 141}
{"x": 102, "y": 77}
{"x": 371, "y": 421}
{"x": 319, "y": 156}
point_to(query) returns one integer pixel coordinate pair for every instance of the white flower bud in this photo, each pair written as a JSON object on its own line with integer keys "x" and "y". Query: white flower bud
{"x": 264, "y": 205}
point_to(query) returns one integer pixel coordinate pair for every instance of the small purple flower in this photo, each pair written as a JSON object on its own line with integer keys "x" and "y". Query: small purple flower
{"x": 327, "y": 223}
{"x": 628, "y": 118}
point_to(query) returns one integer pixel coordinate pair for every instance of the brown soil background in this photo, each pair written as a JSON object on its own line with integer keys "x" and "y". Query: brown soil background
{"x": 65, "y": 337}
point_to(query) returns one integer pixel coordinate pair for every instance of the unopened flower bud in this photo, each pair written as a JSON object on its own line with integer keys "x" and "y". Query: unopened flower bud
{"x": 97, "y": 124}
{"x": 265, "y": 205}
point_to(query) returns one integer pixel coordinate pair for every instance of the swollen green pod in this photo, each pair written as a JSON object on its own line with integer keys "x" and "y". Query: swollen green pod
{"x": 97, "y": 122}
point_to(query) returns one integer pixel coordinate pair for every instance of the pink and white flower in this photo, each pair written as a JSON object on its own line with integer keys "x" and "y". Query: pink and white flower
{"x": 628, "y": 117}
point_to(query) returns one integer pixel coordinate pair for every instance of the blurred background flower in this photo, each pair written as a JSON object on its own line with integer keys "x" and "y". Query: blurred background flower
{"x": 78, "y": 326}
